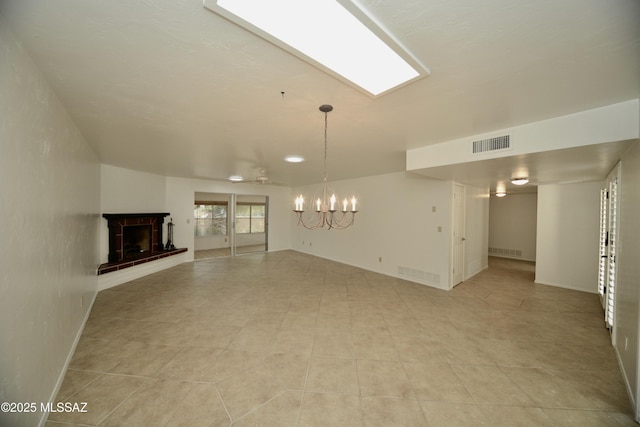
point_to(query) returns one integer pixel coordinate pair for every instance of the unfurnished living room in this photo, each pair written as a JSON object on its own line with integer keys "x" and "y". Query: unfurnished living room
{"x": 337, "y": 213}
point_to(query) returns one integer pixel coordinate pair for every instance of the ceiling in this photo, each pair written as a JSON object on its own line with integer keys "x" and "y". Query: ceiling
{"x": 168, "y": 87}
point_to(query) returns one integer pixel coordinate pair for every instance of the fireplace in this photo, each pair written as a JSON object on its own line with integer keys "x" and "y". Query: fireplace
{"x": 134, "y": 235}
{"x": 135, "y": 239}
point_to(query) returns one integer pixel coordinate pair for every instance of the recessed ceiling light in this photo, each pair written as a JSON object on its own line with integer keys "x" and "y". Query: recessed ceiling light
{"x": 519, "y": 181}
{"x": 236, "y": 178}
{"x": 330, "y": 35}
{"x": 294, "y": 159}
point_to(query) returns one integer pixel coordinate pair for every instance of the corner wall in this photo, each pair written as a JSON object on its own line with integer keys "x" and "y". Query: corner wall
{"x": 396, "y": 229}
{"x": 50, "y": 186}
{"x": 567, "y": 235}
{"x": 626, "y": 334}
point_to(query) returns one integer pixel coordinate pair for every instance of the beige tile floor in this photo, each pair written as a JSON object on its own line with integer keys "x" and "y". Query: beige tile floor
{"x": 225, "y": 252}
{"x": 287, "y": 339}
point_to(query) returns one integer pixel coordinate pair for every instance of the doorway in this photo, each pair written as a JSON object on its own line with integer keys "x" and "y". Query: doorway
{"x": 228, "y": 225}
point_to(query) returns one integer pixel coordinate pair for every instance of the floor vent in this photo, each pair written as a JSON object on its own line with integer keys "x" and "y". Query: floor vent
{"x": 505, "y": 252}
{"x": 419, "y": 275}
{"x": 492, "y": 144}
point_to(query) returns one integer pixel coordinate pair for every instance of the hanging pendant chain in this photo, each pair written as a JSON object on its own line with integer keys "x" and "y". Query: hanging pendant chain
{"x": 325, "y": 147}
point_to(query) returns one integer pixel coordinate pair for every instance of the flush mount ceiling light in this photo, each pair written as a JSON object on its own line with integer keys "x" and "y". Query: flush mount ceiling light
{"x": 236, "y": 178}
{"x": 501, "y": 194}
{"x": 293, "y": 159}
{"x": 520, "y": 181}
{"x": 336, "y": 36}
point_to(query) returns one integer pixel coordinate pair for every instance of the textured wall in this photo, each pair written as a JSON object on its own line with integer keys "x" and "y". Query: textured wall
{"x": 49, "y": 205}
{"x": 395, "y": 231}
{"x": 512, "y": 225}
{"x": 628, "y": 292}
{"x": 568, "y": 235}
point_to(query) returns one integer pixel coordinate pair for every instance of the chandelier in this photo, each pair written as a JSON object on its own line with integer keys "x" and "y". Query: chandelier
{"x": 326, "y": 215}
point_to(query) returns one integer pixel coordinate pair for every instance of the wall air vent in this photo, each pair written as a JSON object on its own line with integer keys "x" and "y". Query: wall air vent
{"x": 505, "y": 252}
{"x": 419, "y": 275}
{"x": 492, "y": 144}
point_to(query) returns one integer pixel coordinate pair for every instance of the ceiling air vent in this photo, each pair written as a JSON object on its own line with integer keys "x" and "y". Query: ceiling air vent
{"x": 492, "y": 144}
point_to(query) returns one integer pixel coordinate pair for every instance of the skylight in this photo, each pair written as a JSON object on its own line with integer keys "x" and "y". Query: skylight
{"x": 328, "y": 35}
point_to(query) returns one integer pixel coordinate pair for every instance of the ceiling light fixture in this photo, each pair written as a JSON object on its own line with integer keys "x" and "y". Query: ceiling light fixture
{"x": 330, "y": 35}
{"x": 293, "y": 158}
{"x": 326, "y": 215}
{"x": 520, "y": 181}
{"x": 236, "y": 178}
{"x": 501, "y": 194}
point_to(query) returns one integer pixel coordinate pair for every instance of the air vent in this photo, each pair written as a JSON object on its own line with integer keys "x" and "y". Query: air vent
{"x": 492, "y": 144}
{"x": 505, "y": 252}
{"x": 419, "y": 275}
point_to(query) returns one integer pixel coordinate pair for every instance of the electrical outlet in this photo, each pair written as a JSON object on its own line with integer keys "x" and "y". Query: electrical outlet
{"x": 439, "y": 229}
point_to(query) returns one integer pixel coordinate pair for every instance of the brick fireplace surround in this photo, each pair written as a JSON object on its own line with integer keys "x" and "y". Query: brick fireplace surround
{"x": 119, "y": 258}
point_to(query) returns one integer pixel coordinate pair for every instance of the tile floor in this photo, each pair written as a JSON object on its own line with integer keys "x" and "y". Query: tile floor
{"x": 287, "y": 339}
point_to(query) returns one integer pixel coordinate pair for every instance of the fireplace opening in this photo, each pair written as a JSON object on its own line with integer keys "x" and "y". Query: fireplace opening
{"x": 136, "y": 240}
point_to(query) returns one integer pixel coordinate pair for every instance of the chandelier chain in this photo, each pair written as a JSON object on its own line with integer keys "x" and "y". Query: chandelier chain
{"x": 326, "y": 174}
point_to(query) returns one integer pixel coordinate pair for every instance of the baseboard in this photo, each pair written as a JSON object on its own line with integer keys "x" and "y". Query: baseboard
{"x": 556, "y": 285}
{"x": 512, "y": 257}
{"x": 627, "y": 384}
{"x": 67, "y": 362}
{"x": 440, "y": 286}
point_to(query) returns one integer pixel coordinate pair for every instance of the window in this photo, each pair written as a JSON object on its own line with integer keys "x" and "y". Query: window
{"x": 250, "y": 218}
{"x": 210, "y": 219}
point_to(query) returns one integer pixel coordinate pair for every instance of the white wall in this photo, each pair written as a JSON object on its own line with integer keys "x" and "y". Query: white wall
{"x": 628, "y": 280}
{"x": 395, "y": 223}
{"x": 567, "y": 235}
{"x": 181, "y": 195}
{"x": 50, "y": 185}
{"x": 476, "y": 230}
{"x": 512, "y": 225}
{"x": 128, "y": 191}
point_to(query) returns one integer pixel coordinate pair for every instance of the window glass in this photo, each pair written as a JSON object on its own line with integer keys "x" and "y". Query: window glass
{"x": 210, "y": 219}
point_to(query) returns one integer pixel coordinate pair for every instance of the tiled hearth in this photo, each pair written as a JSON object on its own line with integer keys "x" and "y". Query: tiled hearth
{"x": 153, "y": 256}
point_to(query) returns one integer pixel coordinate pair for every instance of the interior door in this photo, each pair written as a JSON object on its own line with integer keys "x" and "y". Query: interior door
{"x": 250, "y": 225}
{"x": 457, "y": 275}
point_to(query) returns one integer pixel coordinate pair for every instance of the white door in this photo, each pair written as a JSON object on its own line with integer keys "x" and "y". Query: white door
{"x": 457, "y": 275}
